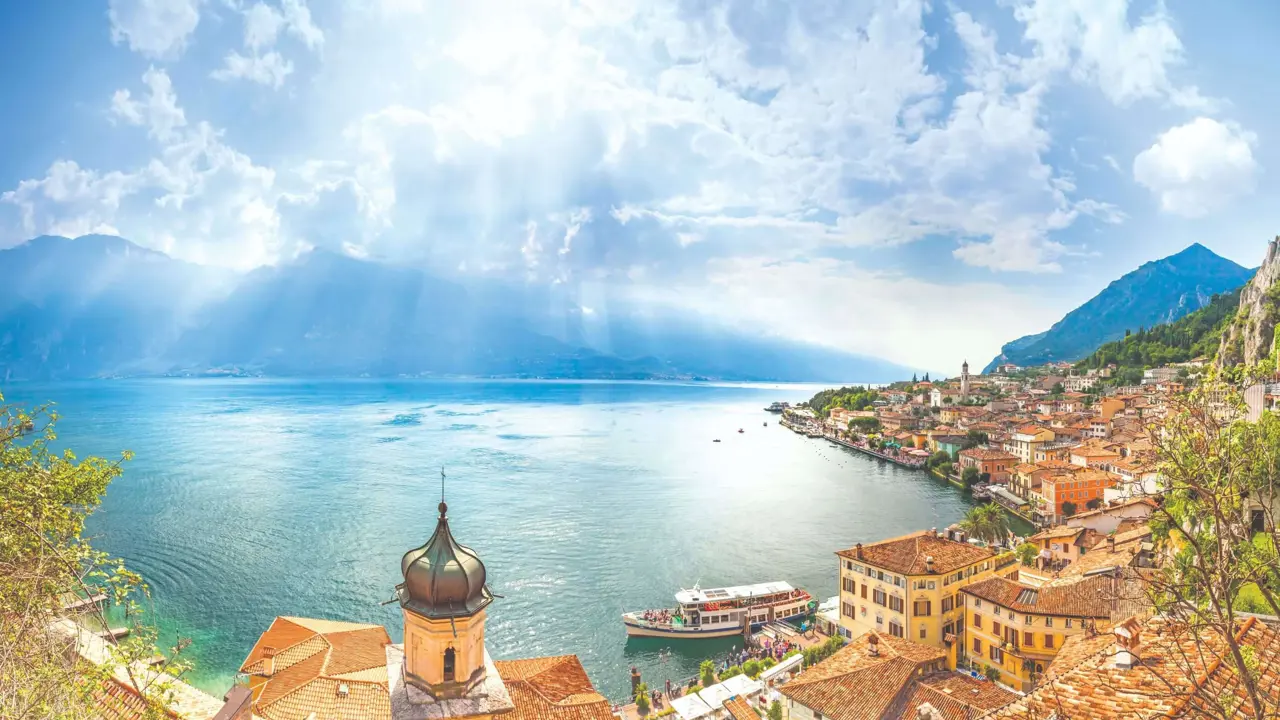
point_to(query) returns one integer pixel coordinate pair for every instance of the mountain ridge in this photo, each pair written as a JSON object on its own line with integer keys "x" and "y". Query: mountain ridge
{"x": 1157, "y": 292}
{"x": 101, "y": 306}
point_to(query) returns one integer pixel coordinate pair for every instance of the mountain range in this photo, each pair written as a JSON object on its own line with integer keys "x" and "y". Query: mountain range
{"x": 101, "y": 306}
{"x": 1160, "y": 291}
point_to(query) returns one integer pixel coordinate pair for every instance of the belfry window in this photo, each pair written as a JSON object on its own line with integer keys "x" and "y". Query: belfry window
{"x": 449, "y": 665}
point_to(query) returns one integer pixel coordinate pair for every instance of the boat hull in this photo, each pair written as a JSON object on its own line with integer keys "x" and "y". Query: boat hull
{"x": 692, "y": 632}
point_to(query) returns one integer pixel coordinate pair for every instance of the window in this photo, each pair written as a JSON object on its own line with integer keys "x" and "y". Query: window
{"x": 933, "y": 585}
{"x": 997, "y": 611}
{"x": 878, "y": 597}
{"x": 864, "y": 591}
{"x": 922, "y": 608}
{"x": 896, "y": 604}
{"x": 848, "y": 565}
{"x": 977, "y": 621}
{"x": 997, "y": 655}
{"x": 1026, "y": 619}
{"x": 949, "y": 629}
{"x": 923, "y": 632}
{"x": 1029, "y": 639}
{"x": 1068, "y": 622}
{"x": 977, "y": 603}
{"x": 846, "y": 609}
{"x": 896, "y": 630}
{"x": 849, "y": 585}
{"x": 1048, "y": 641}
{"x": 977, "y": 646}
{"x": 948, "y": 604}
{"x": 995, "y": 628}
{"x": 1013, "y": 617}
{"x": 1048, "y": 622}
{"x": 450, "y": 663}
{"x": 899, "y": 581}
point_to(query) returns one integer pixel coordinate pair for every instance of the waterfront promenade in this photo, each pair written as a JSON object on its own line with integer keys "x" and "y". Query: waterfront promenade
{"x": 814, "y": 430}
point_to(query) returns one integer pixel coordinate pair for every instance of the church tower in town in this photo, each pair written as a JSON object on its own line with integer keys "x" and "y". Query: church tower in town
{"x": 964, "y": 381}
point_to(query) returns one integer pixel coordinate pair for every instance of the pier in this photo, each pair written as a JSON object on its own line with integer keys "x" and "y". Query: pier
{"x": 814, "y": 430}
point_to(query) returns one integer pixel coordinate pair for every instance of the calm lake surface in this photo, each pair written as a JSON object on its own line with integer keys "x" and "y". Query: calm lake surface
{"x": 249, "y": 499}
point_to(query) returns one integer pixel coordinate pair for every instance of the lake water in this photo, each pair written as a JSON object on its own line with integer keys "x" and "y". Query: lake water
{"x": 249, "y": 499}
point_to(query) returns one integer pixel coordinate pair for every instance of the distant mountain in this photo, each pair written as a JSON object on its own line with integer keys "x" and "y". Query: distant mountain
{"x": 1159, "y": 292}
{"x": 1193, "y": 335}
{"x": 102, "y": 306}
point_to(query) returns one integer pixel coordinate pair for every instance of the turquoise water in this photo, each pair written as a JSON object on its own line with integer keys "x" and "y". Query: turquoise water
{"x": 249, "y": 499}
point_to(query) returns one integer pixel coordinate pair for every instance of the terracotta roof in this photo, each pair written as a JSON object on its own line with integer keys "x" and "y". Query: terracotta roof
{"x": 986, "y": 454}
{"x": 116, "y": 701}
{"x": 853, "y": 684}
{"x": 552, "y": 688}
{"x": 1128, "y": 545}
{"x": 1030, "y": 429}
{"x": 313, "y": 660}
{"x": 1179, "y": 674}
{"x": 740, "y": 709}
{"x": 1088, "y": 598}
{"x": 1109, "y": 508}
{"x": 955, "y": 696}
{"x": 907, "y": 555}
{"x": 1058, "y": 531}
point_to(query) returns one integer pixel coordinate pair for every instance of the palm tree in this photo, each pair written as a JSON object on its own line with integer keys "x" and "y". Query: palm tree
{"x": 986, "y": 522}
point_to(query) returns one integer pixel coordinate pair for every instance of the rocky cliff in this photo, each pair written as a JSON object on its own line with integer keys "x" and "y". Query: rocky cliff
{"x": 1251, "y": 335}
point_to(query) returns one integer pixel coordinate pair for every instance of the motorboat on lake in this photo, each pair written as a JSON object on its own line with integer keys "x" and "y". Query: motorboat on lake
{"x": 720, "y": 612}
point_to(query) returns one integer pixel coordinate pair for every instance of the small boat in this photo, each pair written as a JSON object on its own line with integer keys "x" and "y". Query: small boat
{"x": 716, "y": 440}
{"x": 766, "y": 423}
{"x": 740, "y": 431}
{"x": 721, "y": 612}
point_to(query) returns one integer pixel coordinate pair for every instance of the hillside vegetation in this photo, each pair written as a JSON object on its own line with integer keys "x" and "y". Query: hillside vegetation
{"x": 1194, "y": 335}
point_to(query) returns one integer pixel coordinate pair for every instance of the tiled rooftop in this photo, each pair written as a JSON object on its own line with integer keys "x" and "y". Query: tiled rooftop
{"x": 908, "y": 555}
{"x": 1088, "y": 598}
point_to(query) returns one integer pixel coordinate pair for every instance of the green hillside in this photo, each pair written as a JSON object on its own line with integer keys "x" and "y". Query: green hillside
{"x": 1194, "y": 335}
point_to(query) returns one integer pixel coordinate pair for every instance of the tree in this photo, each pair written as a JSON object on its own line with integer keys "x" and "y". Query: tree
{"x": 707, "y": 673}
{"x": 973, "y": 439}
{"x": 775, "y": 710}
{"x": 926, "y": 377}
{"x": 751, "y": 668}
{"x": 45, "y": 498}
{"x": 1068, "y": 509}
{"x": 986, "y": 522}
{"x": 1094, "y": 504}
{"x": 947, "y": 400}
{"x": 864, "y": 425}
{"x": 937, "y": 459}
{"x": 1027, "y": 553}
{"x": 913, "y": 379}
{"x": 1057, "y": 389}
{"x": 970, "y": 476}
{"x": 642, "y": 700}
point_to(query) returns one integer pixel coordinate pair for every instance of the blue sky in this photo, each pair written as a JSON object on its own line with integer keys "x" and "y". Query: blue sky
{"x": 917, "y": 181}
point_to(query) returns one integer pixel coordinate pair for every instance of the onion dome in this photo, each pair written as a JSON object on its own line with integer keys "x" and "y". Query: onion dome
{"x": 443, "y": 578}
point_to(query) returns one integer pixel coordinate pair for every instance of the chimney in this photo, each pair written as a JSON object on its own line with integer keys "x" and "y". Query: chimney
{"x": 268, "y": 661}
{"x": 1128, "y": 643}
{"x": 928, "y": 564}
{"x": 857, "y": 551}
{"x": 1111, "y": 544}
{"x": 873, "y": 644}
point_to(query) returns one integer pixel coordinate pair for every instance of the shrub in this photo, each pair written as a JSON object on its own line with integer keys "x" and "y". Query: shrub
{"x": 775, "y": 710}
{"x": 707, "y": 673}
{"x": 751, "y": 668}
{"x": 735, "y": 670}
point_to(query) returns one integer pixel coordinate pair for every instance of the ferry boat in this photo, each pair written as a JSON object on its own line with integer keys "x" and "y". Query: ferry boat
{"x": 777, "y": 407}
{"x": 720, "y": 612}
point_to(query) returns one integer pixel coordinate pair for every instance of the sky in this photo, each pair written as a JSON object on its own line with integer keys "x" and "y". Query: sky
{"x": 917, "y": 181}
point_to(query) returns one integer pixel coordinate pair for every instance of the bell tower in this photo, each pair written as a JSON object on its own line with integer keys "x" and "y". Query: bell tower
{"x": 443, "y": 599}
{"x": 964, "y": 381}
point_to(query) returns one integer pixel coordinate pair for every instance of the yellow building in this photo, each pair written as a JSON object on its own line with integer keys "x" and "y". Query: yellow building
{"x": 907, "y": 587}
{"x": 1027, "y": 440}
{"x": 1018, "y": 629}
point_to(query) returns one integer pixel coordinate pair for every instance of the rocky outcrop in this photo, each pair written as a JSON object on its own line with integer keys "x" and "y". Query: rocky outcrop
{"x": 1251, "y": 335}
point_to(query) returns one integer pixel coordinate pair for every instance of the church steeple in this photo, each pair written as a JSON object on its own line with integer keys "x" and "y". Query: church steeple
{"x": 443, "y": 600}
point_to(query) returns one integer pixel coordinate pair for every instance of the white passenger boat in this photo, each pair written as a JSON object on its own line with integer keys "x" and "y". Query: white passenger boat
{"x": 720, "y": 612}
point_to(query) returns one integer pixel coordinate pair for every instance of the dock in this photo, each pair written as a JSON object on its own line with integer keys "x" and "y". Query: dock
{"x": 79, "y": 604}
{"x": 113, "y": 634}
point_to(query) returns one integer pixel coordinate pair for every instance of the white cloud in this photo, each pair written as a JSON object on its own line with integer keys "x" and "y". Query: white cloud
{"x": 155, "y": 28}
{"x": 159, "y": 111}
{"x": 263, "y": 24}
{"x": 270, "y": 69}
{"x": 1198, "y": 167}
{"x": 1095, "y": 41}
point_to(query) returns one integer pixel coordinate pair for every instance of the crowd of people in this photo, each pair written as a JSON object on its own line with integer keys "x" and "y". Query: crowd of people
{"x": 662, "y": 617}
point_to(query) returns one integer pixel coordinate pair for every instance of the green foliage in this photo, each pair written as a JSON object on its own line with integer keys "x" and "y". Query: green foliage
{"x": 817, "y": 653}
{"x": 970, "y": 476}
{"x": 729, "y": 672}
{"x": 751, "y": 668}
{"x": 45, "y": 497}
{"x": 864, "y": 425}
{"x": 707, "y": 673}
{"x": 1094, "y": 504}
{"x": 767, "y": 663}
{"x": 937, "y": 459}
{"x": 1027, "y": 553}
{"x": 1068, "y": 509}
{"x": 850, "y": 398}
{"x": 775, "y": 710}
{"x": 992, "y": 673}
{"x": 1057, "y": 389}
{"x": 945, "y": 469}
{"x": 974, "y": 439}
{"x": 642, "y": 700}
{"x": 1194, "y": 335}
{"x": 986, "y": 522}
